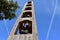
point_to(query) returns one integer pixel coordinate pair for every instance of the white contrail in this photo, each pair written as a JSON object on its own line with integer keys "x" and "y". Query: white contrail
{"x": 49, "y": 11}
{"x": 50, "y": 26}
{"x": 6, "y": 26}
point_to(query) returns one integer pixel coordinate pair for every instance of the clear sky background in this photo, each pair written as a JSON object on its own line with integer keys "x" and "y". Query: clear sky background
{"x": 47, "y": 14}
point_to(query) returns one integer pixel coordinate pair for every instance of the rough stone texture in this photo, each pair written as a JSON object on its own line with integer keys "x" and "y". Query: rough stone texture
{"x": 34, "y": 35}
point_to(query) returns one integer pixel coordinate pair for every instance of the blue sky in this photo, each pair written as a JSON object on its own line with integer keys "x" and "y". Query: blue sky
{"x": 47, "y": 14}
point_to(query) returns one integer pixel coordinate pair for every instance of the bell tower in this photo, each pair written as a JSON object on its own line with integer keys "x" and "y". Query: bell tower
{"x": 25, "y": 27}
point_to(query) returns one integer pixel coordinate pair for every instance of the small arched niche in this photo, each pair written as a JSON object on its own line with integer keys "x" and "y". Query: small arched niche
{"x": 27, "y": 14}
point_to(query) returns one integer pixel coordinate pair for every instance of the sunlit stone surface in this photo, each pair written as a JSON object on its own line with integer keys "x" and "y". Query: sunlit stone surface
{"x": 25, "y": 27}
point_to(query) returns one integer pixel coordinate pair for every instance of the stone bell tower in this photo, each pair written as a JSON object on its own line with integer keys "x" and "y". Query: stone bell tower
{"x": 25, "y": 27}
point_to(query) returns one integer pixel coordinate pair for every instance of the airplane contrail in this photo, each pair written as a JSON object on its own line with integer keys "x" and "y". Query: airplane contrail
{"x": 6, "y": 26}
{"x": 50, "y": 25}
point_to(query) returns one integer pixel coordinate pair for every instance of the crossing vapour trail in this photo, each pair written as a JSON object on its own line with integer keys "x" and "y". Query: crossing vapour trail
{"x": 49, "y": 11}
{"x": 6, "y": 26}
{"x": 50, "y": 25}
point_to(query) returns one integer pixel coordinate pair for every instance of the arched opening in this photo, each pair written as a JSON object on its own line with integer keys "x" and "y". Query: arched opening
{"x": 24, "y": 27}
{"x": 29, "y": 2}
{"x": 28, "y": 8}
{"x": 27, "y": 14}
{"x": 28, "y": 5}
